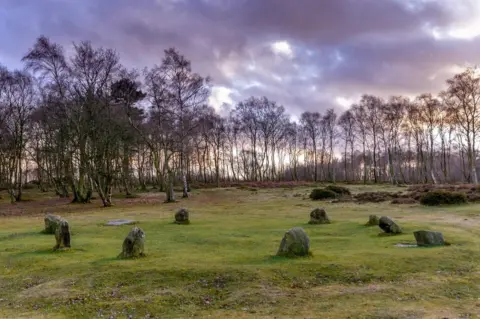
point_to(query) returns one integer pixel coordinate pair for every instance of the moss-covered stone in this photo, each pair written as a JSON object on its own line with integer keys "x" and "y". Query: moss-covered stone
{"x": 429, "y": 238}
{"x": 295, "y": 243}
{"x": 182, "y": 217}
{"x": 133, "y": 245}
{"x": 319, "y": 216}
{"x": 62, "y": 235}
{"x": 389, "y": 226}
{"x": 51, "y": 223}
{"x": 373, "y": 220}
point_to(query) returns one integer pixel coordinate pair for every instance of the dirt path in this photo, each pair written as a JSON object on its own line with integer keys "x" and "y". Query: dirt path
{"x": 64, "y": 205}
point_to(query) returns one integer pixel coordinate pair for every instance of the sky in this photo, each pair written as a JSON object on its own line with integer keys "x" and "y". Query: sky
{"x": 308, "y": 55}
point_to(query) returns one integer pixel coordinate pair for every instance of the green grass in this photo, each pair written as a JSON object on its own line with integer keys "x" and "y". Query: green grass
{"x": 222, "y": 265}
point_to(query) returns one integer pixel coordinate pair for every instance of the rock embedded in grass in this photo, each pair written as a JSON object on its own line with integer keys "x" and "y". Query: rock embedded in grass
{"x": 119, "y": 222}
{"x": 319, "y": 216}
{"x": 389, "y": 226}
{"x": 373, "y": 220}
{"x": 133, "y": 245}
{"x": 51, "y": 223}
{"x": 62, "y": 235}
{"x": 182, "y": 217}
{"x": 295, "y": 243}
{"x": 429, "y": 238}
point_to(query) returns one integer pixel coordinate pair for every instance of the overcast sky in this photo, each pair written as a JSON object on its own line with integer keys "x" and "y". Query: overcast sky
{"x": 305, "y": 54}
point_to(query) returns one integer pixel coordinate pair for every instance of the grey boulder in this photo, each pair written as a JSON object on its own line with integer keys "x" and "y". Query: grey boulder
{"x": 295, "y": 243}
{"x": 62, "y": 235}
{"x": 319, "y": 216}
{"x": 182, "y": 217}
{"x": 51, "y": 223}
{"x": 389, "y": 226}
{"x": 133, "y": 245}
{"x": 373, "y": 220}
{"x": 429, "y": 238}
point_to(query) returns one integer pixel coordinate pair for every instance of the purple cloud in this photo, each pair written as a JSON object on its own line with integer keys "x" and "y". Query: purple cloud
{"x": 325, "y": 49}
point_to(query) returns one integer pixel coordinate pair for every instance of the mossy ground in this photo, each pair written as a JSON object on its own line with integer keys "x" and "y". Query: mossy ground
{"x": 223, "y": 264}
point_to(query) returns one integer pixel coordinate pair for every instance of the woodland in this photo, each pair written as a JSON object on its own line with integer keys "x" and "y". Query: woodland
{"x": 82, "y": 124}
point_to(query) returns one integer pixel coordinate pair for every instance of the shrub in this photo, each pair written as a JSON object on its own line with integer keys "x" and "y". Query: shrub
{"x": 322, "y": 193}
{"x": 436, "y": 198}
{"x": 29, "y": 186}
{"x": 340, "y": 190}
{"x": 403, "y": 201}
{"x": 373, "y": 197}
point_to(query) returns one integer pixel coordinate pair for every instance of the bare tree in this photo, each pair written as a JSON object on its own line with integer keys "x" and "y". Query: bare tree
{"x": 329, "y": 121}
{"x": 17, "y": 105}
{"x": 463, "y": 100}
{"x": 393, "y": 114}
{"x": 311, "y": 123}
{"x": 346, "y": 123}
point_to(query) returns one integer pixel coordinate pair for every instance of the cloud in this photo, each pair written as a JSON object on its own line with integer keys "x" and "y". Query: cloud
{"x": 305, "y": 54}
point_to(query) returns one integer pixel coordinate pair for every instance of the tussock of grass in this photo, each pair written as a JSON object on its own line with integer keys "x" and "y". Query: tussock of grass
{"x": 223, "y": 266}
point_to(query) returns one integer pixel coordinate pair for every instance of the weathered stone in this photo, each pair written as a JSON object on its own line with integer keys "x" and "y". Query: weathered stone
{"x": 295, "y": 242}
{"x": 182, "y": 217}
{"x": 133, "y": 245}
{"x": 119, "y": 222}
{"x": 51, "y": 223}
{"x": 319, "y": 216}
{"x": 373, "y": 220}
{"x": 389, "y": 226}
{"x": 429, "y": 238}
{"x": 62, "y": 235}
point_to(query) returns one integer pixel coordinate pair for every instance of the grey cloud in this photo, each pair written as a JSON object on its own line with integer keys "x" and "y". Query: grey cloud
{"x": 383, "y": 44}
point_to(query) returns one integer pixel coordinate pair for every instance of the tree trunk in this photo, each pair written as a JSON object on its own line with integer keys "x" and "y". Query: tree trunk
{"x": 170, "y": 190}
{"x": 185, "y": 186}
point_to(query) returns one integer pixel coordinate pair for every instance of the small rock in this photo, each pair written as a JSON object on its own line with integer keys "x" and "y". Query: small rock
{"x": 62, "y": 235}
{"x": 373, "y": 220}
{"x": 133, "y": 245}
{"x": 389, "y": 226}
{"x": 51, "y": 223}
{"x": 319, "y": 216}
{"x": 119, "y": 222}
{"x": 182, "y": 217}
{"x": 295, "y": 242}
{"x": 406, "y": 245}
{"x": 429, "y": 238}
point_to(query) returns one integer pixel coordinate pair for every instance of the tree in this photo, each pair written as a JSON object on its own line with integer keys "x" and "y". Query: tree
{"x": 329, "y": 121}
{"x": 392, "y": 116}
{"x": 18, "y": 103}
{"x": 359, "y": 113}
{"x": 311, "y": 123}
{"x": 430, "y": 112}
{"x": 346, "y": 122}
{"x": 177, "y": 95}
{"x": 126, "y": 92}
{"x": 463, "y": 94}
{"x": 372, "y": 106}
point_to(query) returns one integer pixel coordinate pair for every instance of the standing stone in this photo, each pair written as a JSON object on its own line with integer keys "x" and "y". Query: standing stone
{"x": 389, "y": 226}
{"x": 429, "y": 238}
{"x": 62, "y": 235}
{"x": 51, "y": 223}
{"x": 133, "y": 245}
{"x": 373, "y": 220}
{"x": 319, "y": 216}
{"x": 295, "y": 242}
{"x": 182, "y": 217}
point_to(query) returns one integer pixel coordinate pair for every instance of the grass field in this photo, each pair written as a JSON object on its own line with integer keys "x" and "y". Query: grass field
{"x": 222, "y": 265}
